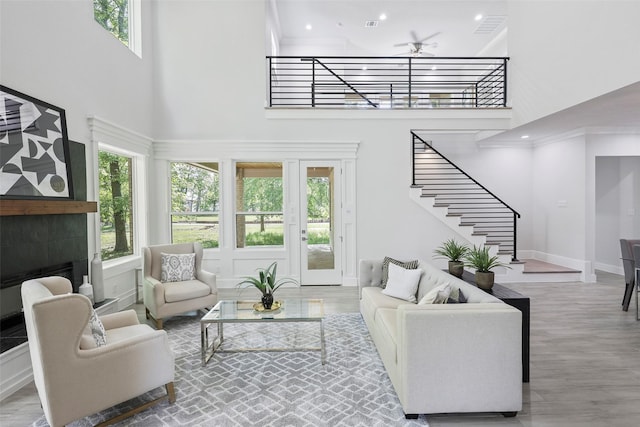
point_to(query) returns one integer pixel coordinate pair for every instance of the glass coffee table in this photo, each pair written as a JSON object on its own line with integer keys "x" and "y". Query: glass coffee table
{"x": 231, "y": 311}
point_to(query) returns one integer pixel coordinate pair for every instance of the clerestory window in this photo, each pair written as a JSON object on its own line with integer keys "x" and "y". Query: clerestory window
{"x": 122, "y": 19}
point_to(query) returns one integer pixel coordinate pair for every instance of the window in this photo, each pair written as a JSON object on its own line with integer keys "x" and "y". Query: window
{"x": 116, "y": 205}
{"x": 195, "y": 203}
{"x": 259, "y": 212}
{"x": 120, "y": 18}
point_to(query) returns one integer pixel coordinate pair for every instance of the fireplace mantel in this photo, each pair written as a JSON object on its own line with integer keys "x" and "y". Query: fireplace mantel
{"x": 45, "y": 207}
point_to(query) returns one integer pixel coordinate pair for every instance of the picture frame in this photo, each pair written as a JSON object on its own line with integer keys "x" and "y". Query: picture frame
{"x": 34, "y": 148}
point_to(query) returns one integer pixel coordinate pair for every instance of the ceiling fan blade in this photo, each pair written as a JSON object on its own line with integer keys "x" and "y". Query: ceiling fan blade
{"x": 414, "y": 36}
{"x": 428, "y": 37}
{"x": 401, "y": 44}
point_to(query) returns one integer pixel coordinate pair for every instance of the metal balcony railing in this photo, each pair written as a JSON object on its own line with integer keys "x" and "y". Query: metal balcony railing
{"x": 386, "y": 82}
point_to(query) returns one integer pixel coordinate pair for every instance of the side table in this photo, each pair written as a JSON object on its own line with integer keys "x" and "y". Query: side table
{"x": 516, "y": 300}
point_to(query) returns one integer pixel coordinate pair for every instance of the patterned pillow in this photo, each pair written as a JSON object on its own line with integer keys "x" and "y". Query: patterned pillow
{"x": 456, "y": 297}
{"x": 97, "y": 329}
{"x": 178, "y": 267}
{"x": 408, "y": 265}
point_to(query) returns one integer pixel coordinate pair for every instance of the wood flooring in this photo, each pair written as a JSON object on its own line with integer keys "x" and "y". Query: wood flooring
{"x": 585, "y": 357}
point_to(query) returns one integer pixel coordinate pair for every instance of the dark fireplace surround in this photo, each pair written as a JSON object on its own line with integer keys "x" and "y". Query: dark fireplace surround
{"x": 33, "y": 246}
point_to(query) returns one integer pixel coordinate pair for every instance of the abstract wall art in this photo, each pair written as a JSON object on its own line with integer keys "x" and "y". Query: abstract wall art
{"x": 34, "y": 148}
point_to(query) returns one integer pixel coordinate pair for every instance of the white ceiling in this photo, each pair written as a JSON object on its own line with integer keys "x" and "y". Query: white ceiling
{"x": 340, "y": 26}
{"x": 342, "y": 23}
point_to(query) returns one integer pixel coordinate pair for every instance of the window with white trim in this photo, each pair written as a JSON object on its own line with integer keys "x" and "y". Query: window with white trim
{"x": 195, "y": 203}
{"x": 259, "y": 204}
{"x": 122, "y": 19}
{"x": 115, "y": 174}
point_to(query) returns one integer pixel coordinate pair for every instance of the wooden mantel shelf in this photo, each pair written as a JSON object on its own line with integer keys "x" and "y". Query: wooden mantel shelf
{"x": 45, "y": 207}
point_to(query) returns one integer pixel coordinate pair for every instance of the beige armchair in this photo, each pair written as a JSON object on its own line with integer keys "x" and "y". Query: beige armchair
{"x": 163, "y": 299}
{"x": 74, "y": 379}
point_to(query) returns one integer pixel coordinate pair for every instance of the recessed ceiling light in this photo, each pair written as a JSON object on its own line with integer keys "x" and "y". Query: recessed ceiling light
{"x": 308, "y": 26}
{"x": 383, "y": 16}
{"x": 434, "y": 68}
{"x": 524, "y": 136}
{"x": 364, "y": 68}
{"x": 478, "y": 17}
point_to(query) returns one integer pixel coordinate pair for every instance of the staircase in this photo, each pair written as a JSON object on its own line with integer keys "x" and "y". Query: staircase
{"x": 471, "y": 210}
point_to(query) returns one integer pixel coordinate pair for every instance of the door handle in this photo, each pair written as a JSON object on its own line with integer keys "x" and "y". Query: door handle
{"x": 304, "y": 239}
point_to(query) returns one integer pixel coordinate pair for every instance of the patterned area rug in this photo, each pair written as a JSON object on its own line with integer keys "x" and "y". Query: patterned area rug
{"x": 273, "y": 389}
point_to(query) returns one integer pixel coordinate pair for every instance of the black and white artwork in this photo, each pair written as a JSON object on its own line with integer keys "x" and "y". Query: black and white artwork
{"x": 34, "y": 148}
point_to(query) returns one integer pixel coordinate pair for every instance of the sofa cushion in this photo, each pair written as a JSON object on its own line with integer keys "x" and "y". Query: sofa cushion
{"x": 402, "y": 283}
{"x": 373, "y": 299}
{"x": 410, "y": 265}
{"x": 178, "y": 267}
{"x": 438, "y": 295}
{"x": 180, "y": 291}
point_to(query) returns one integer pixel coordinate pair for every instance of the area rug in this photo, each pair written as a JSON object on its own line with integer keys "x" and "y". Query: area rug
{"x": 273, "y": 389}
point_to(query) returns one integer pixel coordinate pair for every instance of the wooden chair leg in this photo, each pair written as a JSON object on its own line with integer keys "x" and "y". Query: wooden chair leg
{"x": 171, "y": 392}
{"x": 158, "y": 323}
{"x": 171, "y": 396}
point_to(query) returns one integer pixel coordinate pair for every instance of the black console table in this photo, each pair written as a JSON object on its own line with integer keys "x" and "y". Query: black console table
{"x": 519, "y": 301}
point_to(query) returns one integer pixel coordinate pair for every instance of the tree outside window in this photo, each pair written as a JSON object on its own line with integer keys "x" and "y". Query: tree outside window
{"x": 113, "y": 15}
{"x": 259, "y": 204}
{"x": 195, "y": 203}
{"x": 116, "y": 206}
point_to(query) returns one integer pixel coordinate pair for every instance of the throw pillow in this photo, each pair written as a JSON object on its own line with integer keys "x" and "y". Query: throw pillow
{"x": 438, "y": 295}
{"x": 402, "y": 283}
{"x": 97, "y": 329}
{"x": 178, "y": 267}
{"x": 456, "y": 297}
{"x": 409, "y": 265}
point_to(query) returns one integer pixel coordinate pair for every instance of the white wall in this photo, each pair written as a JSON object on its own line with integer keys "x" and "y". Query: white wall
{"x": 565, "y": 52}
{"x": 56, "y": 51}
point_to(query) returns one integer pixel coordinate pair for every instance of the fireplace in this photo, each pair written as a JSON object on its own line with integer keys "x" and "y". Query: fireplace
{"x": 34, "y": 245}
{"x": 12, "y": 327}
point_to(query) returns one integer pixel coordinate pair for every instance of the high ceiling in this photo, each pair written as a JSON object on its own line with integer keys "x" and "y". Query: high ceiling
{"x": 341, "y": 25}
{"x": 338, "y": 28}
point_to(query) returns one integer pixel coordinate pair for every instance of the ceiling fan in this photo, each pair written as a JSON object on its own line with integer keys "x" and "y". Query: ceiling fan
{"x": 416, "y": 47}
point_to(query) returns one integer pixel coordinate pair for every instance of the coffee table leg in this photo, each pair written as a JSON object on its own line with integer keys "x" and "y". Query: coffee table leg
{"x": 323, "y": 352}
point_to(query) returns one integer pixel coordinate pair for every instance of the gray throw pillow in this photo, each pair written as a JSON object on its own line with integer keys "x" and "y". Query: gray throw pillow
{"x": 178, "y": 267}
{"x": 409, "y": 265}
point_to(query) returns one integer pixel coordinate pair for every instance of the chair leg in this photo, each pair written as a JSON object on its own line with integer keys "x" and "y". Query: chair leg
{"x": 171, "y": 392}
{"x": 146, "y": 312}
{"x": 158, "y": 322}
{"x": 628, "y": 291}
{"x": 171, "y": 396}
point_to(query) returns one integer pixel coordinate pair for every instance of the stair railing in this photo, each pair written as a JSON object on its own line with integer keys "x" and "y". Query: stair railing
{"x": 515, "y": 214}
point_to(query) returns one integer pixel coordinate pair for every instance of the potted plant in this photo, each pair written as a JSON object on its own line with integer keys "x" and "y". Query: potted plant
{"x": 266, "y": 283}
{"x": 455, "y": 253}
{"x": 480, "y": 259}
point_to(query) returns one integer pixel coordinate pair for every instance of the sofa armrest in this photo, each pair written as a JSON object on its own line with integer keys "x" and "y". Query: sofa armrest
{"x": 119, "y": 319}
{"x": 464, "y": 349}
{"x": 153, "y": 293}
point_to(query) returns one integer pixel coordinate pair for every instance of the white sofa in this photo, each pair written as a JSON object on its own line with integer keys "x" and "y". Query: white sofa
{"x": 445, "y": 358}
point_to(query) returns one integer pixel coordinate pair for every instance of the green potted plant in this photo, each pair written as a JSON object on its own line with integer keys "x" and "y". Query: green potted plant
{"x": 455, "y": 253}
{"x": 266, "y": 283}
{"x": 481, "y": 260}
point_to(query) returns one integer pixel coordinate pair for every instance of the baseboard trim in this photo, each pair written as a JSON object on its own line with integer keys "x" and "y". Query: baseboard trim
{"x": 15, "y": 360}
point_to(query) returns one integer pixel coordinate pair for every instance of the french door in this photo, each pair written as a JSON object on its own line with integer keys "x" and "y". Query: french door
{"x": 320, "y": 223}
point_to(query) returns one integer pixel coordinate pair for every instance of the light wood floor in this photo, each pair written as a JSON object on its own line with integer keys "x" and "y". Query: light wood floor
{"x": 585, "y": 358}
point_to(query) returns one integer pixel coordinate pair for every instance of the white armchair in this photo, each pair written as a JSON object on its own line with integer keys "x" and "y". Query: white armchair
{"x": 74, "y": 379}
{"x": 165, "y": 299}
